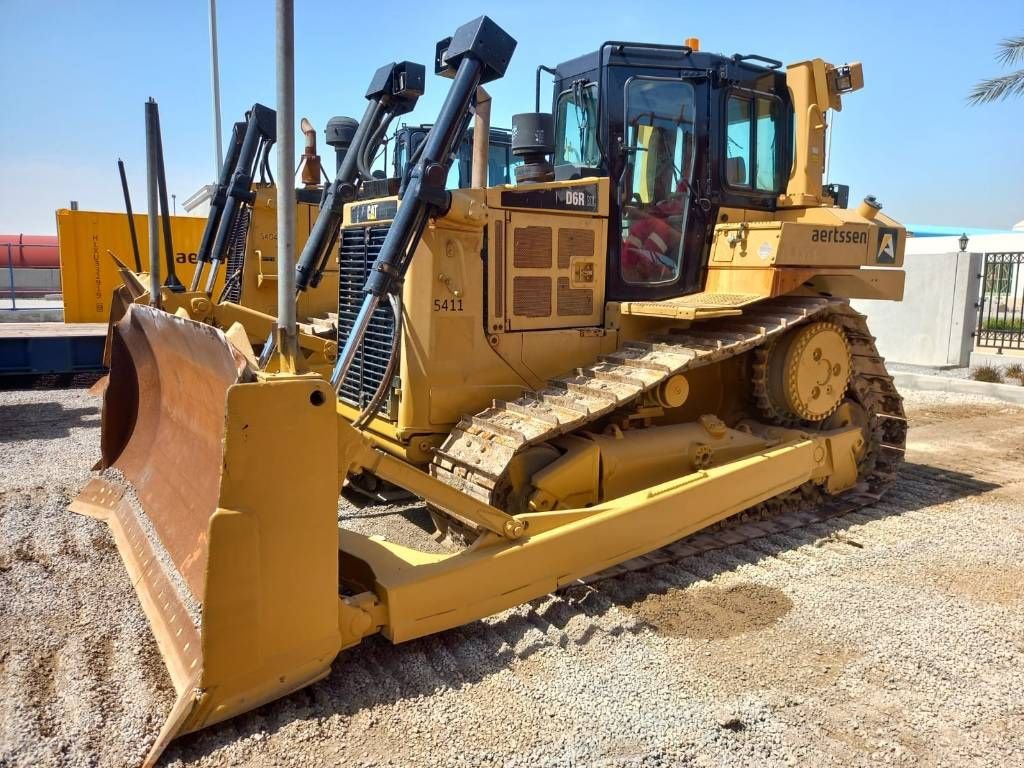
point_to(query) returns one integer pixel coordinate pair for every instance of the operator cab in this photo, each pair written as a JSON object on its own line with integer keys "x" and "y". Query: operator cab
{"x": 679, "y": 134}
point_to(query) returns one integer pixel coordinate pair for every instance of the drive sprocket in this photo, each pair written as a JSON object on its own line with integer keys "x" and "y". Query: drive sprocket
{"x": 802, "y": 376}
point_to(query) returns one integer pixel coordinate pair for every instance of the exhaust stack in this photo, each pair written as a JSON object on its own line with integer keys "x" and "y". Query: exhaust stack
{"x": 311, "y": 169}
{"x": 481, "y": 139}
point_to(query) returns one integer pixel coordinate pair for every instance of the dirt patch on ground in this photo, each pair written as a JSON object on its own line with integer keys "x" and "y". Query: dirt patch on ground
{"x": 774, "y": 660}
{"x": 712, "y": 613}
{"x": 925, "y": 413}
{"x": 1002, "y": 585}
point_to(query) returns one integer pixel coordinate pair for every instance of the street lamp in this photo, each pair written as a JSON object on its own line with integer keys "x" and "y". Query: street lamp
{"x": 963, "y": 242}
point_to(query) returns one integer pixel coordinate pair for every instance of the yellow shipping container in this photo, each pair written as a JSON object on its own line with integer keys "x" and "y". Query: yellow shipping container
{"x": 89, "y": 276}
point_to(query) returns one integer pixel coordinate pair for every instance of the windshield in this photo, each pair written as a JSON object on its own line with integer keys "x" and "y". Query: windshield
{"x": 655, "y": 186}
{"x": 576, "y": 127}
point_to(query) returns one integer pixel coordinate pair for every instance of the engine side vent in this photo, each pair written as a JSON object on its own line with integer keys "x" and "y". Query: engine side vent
{"x": 574, "y": 301}
{"x": 531, "y": 296}
{"x": 531, "y": 248}
{"x": 574, "y": 242}
{"x": 499, "y": 269}
{"x": 359, "y": 248}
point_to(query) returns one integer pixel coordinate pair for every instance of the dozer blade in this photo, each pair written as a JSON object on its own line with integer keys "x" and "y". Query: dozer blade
{"x": 130, "y": 290}
{"x": 221, "y": 493}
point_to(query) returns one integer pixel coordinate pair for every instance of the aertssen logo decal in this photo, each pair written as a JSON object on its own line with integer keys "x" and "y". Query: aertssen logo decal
{"x": 839, "y": 236}
{"x": 887, "y": 241}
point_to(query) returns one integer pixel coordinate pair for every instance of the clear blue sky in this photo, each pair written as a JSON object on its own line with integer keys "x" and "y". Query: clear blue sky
{"x": 74, "y": 76}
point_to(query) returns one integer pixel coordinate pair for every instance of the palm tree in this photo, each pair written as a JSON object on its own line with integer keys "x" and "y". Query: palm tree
{"x": 1011, "y": 51}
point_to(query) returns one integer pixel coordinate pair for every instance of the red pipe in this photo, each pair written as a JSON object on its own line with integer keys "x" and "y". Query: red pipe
{"x": 38, "y": 251}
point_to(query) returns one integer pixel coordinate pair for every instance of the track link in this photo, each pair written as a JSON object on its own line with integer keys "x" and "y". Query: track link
{"x": 475, "y": 457}
{"x": 872, "y": 387}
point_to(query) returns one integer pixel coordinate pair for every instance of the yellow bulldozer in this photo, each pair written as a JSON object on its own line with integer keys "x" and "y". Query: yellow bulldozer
{"x": 646, "y": 335}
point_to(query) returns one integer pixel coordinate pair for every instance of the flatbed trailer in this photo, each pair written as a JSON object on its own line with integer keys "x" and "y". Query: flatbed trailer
{"x": 51, "y": 348}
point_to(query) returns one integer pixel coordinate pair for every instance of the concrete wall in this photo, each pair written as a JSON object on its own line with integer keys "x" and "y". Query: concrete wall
{"x": 30, "y": 281}
{"x": 933, "y": 324}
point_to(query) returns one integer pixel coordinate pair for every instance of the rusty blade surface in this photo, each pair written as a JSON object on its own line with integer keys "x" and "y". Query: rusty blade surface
{"x": 163, "y": 425}
{"x": 120, "y": 300}
{"x": 99, "y": 388}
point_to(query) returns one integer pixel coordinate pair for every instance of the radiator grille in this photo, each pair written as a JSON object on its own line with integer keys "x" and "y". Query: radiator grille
{"x": 531, "y": 296}
{"x": 574, "y": 301}
{"x": 531, "y": 248}
{"x": 359, "y": 248}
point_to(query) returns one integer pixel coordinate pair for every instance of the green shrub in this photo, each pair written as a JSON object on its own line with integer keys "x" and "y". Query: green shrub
{"x": 1003, "y": 324}
{"x": 987, "y": 373}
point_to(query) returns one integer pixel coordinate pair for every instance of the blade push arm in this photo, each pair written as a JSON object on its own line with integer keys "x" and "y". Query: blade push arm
{"x": 234, "y": 188}
{"x": 393, "y": 91}
{"x": 477, "y": 53}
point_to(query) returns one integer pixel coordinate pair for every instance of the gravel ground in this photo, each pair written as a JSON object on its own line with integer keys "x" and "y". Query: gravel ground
{"x": 893, "y": 635}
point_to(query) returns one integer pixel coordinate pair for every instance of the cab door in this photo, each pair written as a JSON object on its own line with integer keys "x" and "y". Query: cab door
{"x": 663, "y": 218}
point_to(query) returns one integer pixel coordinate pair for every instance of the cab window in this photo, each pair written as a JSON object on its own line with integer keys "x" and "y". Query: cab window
{"x": 655, "y": 185}
{"x": 406, "y": 148}
{"x": 501, "y": 164}
{"x": 454, "y": 175}
{"x": 576, "y": 127}
{"x": 751, "y": 150}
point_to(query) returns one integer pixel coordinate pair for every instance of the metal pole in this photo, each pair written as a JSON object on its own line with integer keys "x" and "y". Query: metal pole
{"x": 286, "y": 299}
{"x": 153, "y": 216}
{"x": 10, "y": 272}
{"x": 215, "y": 74}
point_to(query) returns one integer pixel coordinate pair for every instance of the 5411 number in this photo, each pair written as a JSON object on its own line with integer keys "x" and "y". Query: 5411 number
{"x": 447, "y": 305}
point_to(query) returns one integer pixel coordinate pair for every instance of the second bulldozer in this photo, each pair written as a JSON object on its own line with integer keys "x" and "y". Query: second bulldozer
{"x": 648, "y": 334}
